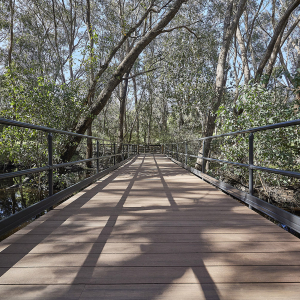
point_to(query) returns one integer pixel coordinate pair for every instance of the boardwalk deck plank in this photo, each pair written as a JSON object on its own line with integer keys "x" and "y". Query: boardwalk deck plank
{"x": 150, "y": 230}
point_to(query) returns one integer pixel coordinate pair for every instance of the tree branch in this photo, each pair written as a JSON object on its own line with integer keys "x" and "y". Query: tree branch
{"x": 141, "y": 73}
{"x": 278, "y": 30}
{"x": 183, "y": 26}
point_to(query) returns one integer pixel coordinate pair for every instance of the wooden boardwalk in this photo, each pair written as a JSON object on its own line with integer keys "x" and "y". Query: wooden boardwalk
{"x": 150, "y": 230}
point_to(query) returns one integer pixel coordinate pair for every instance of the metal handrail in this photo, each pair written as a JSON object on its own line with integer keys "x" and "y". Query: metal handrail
{"x": 279, "y": 213}
{"x": 46, "y": 129}
{"x": 255, "y": 129}
{"x": 27, "y": 213}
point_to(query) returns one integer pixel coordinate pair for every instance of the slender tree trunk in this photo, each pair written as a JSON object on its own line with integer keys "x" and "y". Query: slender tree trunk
{"x": 273, "y": 58}
{"x": 89, "y": 148}
{"x": 11, "y": 40}
{"x": 241, "y": 43}
{"x": 71, "y": 41}
{"x": 123, "y": 94}
{"x": 56, "y": 43}
{"x": 136, "y": 110}
{"x": 150, "y": 121}
{"x": 230, "y": 25}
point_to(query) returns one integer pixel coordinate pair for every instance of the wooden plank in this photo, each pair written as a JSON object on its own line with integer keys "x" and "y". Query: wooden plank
{"x": 153, "y": 291}
{"x": 150, "y": 259}
{"x": 152, "y": 275}
{"x": 153, "y": 232}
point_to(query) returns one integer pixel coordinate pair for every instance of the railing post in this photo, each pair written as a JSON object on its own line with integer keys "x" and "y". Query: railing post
{"x": 177, "y": 152}
{"x": 97, "y": 156}
{"x": 50, "y": 163}
{"x": 203, "y": 159}
{"x": 127, "y": 150}
{"x": 185, "y": 144}
{"x": 251, "y": 138}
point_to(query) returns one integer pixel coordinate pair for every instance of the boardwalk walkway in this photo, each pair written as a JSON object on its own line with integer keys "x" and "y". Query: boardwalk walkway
{"x": 150, "y": 230}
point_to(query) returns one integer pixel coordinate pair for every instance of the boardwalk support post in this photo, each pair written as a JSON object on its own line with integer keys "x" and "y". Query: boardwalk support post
{"x": 251, "y": 138}
{"x": 50, "y": 163}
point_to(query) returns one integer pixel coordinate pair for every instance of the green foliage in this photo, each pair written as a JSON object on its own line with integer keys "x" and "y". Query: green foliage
{"x": 278, "y": 148}
{"x": 37, "y": 101}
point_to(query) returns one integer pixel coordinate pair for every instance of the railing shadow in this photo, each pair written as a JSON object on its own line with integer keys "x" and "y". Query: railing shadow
{"x": 142, "y": 250}
{"x": 35, "y": 230}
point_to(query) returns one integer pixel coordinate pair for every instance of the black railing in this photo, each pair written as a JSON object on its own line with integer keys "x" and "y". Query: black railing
{"x": 278, "y": 214}
{"x": 13, "y": 221}
{"x": 150, "y": 148}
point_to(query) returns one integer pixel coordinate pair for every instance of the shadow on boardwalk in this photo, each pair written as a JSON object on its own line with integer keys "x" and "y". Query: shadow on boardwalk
{"x": 149, "y": 231}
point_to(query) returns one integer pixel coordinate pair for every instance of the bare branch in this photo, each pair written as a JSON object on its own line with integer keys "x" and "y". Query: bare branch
{"x": 141, "y": 73}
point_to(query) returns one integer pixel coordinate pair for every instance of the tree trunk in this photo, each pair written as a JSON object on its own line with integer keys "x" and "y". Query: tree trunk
{"x": 89, "y": 148}
{"x": 230, "y": 25}
{"x": 150, "y": 121}
{"x": 56, "y": 43}
{"x": 273, "y": 58}
{"x": 136, "y": 110}
{"x": 123, "y": 93}
{"x": 11, "y": 41}
{"x": 241, "y": 43}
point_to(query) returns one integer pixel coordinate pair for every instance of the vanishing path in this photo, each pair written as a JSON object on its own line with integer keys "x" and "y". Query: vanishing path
{"x": 150, "y": 230}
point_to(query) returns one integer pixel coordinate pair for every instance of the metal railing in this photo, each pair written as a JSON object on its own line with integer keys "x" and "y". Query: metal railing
{"x": 13, "y": 221}
{"x": 278, "y": 214}
{"x": 151, "y": 148}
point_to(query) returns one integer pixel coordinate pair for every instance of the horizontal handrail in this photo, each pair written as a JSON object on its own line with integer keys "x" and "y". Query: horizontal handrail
{"x": 30, "y": 212}
{"x": 46, "y": 129}
{"x": 255, "y": 129}
{"x": 109, "y": 152}
{"x": 175, "y": 152}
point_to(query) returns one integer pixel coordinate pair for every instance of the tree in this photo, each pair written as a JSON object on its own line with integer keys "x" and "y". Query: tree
{"x": 124, "y": 66}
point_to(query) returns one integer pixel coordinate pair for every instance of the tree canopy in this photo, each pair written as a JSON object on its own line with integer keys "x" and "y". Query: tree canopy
{"x": 148, "y": 71}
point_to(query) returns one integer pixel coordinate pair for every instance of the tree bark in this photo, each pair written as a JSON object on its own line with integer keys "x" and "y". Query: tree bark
{"x": 116, "y": 78}
{"x": 136, "y": 110}
{"x": 241, "y": 43}
{"x": 89, "y": 148}
{"x": 56, "y": 43}
{"x": 273, "y": 58}
{"x": 123, "y": 94}
{"x": 11, "y": 41}
{"x": 230, "y": 25}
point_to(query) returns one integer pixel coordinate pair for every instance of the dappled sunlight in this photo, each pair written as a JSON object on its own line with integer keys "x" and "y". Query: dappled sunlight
{"x": 149, "y": 238}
